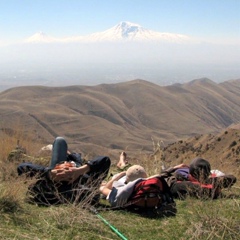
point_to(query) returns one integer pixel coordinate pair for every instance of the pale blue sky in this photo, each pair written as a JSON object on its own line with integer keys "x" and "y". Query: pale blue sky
{"x": 215, "y": 23}
{"x": 205, "y": 19}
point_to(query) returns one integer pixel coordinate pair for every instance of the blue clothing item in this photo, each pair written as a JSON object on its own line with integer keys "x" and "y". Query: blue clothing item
{"x": 182, "y": 173}
{"x": 59, "y": 152}
{"x": 99, "y": 166}
{"x": 32, "y": 170}
{"x": 47, "y": 192}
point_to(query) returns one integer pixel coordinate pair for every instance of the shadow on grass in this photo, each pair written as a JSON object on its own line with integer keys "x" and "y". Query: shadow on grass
{"x": 169, "y": 210}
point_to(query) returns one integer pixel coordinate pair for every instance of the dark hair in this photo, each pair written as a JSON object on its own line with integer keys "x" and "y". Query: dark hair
{"x": 200, "y": 169}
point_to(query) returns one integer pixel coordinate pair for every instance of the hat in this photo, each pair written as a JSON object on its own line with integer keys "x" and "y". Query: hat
{"x": 200, "y": 168}
{"x": 135, "y": 172}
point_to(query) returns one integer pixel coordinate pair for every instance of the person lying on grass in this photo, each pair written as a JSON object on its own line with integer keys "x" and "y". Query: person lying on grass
{"x": 65, "y": 174}
{"x": 197, "y": 180}
{"x": 124, "y": 186}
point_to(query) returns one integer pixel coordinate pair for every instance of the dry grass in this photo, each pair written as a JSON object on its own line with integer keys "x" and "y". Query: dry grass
{"x": 195, "y": 219}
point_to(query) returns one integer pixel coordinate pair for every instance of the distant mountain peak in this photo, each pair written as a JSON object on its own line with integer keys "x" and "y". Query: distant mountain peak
{"x": 123, "y": 31}
{"x": 201, "y": 81}
{"x": 128, "y": 29}
{"x": 124, "y": 24}
{"x": 40, "y": 37}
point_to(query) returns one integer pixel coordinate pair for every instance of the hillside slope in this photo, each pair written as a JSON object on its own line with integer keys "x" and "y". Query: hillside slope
{"x": 115, "y": 117}
{"x": 222, "y": 150}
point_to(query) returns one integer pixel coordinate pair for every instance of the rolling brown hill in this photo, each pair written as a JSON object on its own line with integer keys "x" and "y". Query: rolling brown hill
{"x": 109, "y": 118}
{"x": 222, "y": 150}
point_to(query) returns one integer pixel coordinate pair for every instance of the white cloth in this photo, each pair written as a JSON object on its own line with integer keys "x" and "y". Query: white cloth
{"x": 217, "y": 173}
{"x": 121, "y": 180}
{"x": 121, "y": 192}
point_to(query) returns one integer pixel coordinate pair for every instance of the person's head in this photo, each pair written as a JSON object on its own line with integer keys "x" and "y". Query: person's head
{"x": 200, "y": 169}
{"x": 134, "y": 172}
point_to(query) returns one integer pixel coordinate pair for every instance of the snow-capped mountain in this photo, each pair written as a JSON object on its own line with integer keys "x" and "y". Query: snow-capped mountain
{"x": 124, "y": 31}
{"x": 134, "y": 32}
{"x": 41, "y": 37}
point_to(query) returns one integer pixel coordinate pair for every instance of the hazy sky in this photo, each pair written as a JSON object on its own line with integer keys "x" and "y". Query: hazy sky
{"x": 216, "y": 23}
{"x": 205, "y": 19}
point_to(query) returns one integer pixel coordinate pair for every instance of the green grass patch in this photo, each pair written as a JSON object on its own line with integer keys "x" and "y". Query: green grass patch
{"x": 195, "y": 219}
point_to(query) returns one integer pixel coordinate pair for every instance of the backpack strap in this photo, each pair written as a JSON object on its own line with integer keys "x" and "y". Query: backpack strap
{"x": 152, "y": 194}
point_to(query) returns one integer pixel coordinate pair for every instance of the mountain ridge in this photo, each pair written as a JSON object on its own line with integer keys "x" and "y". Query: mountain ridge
{"x": 114, "y": 117}
{"x": 221, "y": 149}
{"x": 123, "y": 31}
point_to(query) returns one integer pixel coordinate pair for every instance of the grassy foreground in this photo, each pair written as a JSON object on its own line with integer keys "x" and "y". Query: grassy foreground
{"x": 195, "y": 219}
{"x": 218, "y": 219}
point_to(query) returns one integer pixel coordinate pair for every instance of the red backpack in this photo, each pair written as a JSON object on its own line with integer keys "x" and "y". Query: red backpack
{"x": 150, "y": 193}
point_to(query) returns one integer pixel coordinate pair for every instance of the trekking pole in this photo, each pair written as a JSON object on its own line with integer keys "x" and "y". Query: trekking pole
{"x": 108, "y": 224}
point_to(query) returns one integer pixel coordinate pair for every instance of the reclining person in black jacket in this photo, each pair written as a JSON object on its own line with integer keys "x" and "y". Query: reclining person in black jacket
{"x": 197, "y": 180}
{"x": 66, "y": 176}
